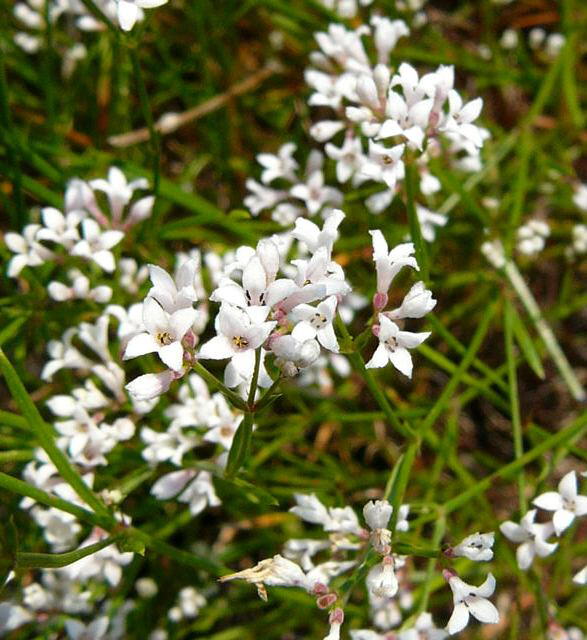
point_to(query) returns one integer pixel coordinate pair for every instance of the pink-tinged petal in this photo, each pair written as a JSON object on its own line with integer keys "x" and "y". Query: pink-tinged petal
{"x": 401, "y": 360}
{"x": 567, "y": 487}
{"x": 217, "y": 348}
{"x": 150, "y": 385}
{"x": 181, "y": 321}
{"x": 172, "y": 355}
{"x": 581, "y": 505}
{"x": 380, "y": 358}
{"x": 525, "y": 555}
{"x": 488, "y": 586}
{"x": 139, "y": 345}
{"x": 154, "y": 318}
{"x": 562, "y": 520}
{"x": 513, "y": 531}
{"x": 549, "y": 501}
{"x": 127, "y": 14}
{"x": 459, "y": 619}
{"x": 483, "y": 610}
{"x": 279, "y": 290}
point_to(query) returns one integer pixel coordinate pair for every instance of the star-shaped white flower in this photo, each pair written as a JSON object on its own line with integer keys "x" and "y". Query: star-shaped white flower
{"x": 393, "y": 346}
{"x": 531, "y": 537}
{"x": 566, "y": 503}
{"x": 240, "y": 333}
{"x": 164, "y": 334}
{"x": 470, "y": 600}
{"x": 316, "y": 322}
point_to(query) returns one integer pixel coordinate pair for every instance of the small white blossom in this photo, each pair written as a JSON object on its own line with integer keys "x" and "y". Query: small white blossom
{"x": 470, "y": 600}
{"x": 477, "y": 547}
{"x": 567, "y": 504}
{"x": 531, "y": 537}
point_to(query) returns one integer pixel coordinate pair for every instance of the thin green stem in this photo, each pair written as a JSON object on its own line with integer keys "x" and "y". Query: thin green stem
{"x": 411, "y": 182}
{"x": 46, "y": 438}
{"x": 514, "y": 401}
{"x": 213, "y": 381}
{"x": 26, "y": 560}
{"x": 359, "y": 365}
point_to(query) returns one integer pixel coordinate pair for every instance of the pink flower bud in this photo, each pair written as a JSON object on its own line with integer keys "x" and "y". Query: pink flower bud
{"x": 375, "y": 329}
{"x": 448, "y": 574}
{"x": 380, "y": 301}
{"x": 325, "y": 602}
{"x": 336, "y": 616}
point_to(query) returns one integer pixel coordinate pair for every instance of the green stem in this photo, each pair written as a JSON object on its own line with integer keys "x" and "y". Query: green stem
{"x": 544, "y": 330}
{"x": 25, "y": 560}
{"x": 359, "y": 365}
{"x": 213, "y": 381}
{"x": 514, "y": 401}
{"x": 411, "y": 181}
{"x": 565, "y": 435}
{"x": 46, "y": 439}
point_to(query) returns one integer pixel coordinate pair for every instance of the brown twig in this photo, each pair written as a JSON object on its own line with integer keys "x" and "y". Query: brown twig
{"x": 172, "y": 121}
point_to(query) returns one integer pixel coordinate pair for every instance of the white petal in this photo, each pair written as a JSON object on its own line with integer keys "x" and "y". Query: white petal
{"x": 513, "y": 531}
{"x": 127, "y": 14}
{"x": 483, "y": 610}
{"x": 549, "y": 501}
{"x": 567, "y": 487}
{"x": 525, "y": 555}
{"x": 459, "y": 618}
{"x": 217, "y": 348}
{"x": 380, "y": 358}
{"x": 402, "y": 360}
{"x": 562, "y": 520}
{"x": 140, "y": 345}
{"x": 172, "y": 355}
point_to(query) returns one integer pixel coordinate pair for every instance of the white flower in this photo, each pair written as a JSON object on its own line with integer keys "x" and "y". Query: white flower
{"x": 29, "y": 252}
{"x": 377, "y": 514}
{"x": 176, "y": 294}
{"x": 566, "y": 503}
{"x": 315, "y": 193}
{"x": 416, "y": 304}
{"x": 389, "y": 263}
{"x": 531, "y": 537}
{"x": 384, "y": 164}
{"x": 59, "y": 228}
{"x": 381, "y": 580}
{"x": 429, "y": 220}
{"x": 477, "y": 547}
{"x": 190, "y": 602}
{"x": 94, "y": 630}
{"x": 96, "y": 244}
{"x": 313, "y": 237}
{"x": 281, "y": 165}
{"x": 261, "y": 197}
{"x": 302, "y": 550}
{"x": 293, "y": 355}
{"x": 310, "y": 509}
{"x": 164, "y": 334}
{"x": 128, "y": 11}
{"x": 349, "y": 159}
{"x": 240, "y": 333}
{"x": 316, "y": 322}
{"x": 470, "y": 600}
{"x": 393, "y": 346}
{"x": 423, "y": 629}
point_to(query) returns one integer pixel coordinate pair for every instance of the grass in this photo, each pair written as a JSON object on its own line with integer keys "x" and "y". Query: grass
{"x": 493, "y": 415}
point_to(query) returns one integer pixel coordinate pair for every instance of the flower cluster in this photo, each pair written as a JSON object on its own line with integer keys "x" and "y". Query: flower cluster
{"x": 82, "y": 231}
{"x": 566, "y": 504}
{"x": 348, "y": 543}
